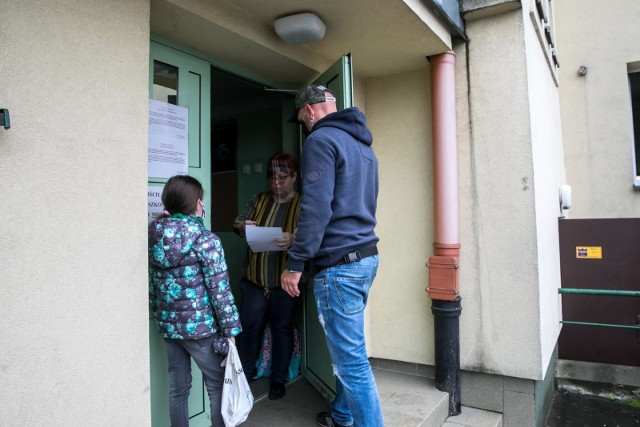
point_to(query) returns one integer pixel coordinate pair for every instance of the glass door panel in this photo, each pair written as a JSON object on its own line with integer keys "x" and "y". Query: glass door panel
{"x": 165, "y": 83}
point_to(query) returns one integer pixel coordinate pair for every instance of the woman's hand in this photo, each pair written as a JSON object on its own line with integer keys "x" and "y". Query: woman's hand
{"x": 241, "y": 226}
{"x": 286, "y": 241}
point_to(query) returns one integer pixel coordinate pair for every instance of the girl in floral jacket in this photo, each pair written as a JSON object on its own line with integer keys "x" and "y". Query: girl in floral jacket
{"x": 190, "y": 295}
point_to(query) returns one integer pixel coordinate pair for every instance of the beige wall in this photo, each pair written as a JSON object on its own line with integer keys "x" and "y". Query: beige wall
{"x": 73, "y": 311}
{"x": 508, "y": 199}
{"x": 596, "y": 112}
{"x": 548, "y": 177}
{"x": 499, "y": 324}
{"x": 511, "y": 166}
{"x": 398, "y": 113}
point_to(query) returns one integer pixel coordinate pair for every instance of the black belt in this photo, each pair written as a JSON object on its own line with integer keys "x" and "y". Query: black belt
{"x": 347, "y": 259}
{"x": 356, "y": 256}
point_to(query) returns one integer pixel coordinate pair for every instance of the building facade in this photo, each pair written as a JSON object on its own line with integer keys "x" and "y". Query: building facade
{"x": 77, "y": 77}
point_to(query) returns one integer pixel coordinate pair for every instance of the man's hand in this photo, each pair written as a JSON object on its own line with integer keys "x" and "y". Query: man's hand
{"x": 289, "y": 282}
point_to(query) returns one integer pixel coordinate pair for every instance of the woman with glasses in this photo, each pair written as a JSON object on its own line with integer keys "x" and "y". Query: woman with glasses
{"x": 263, "y": 301}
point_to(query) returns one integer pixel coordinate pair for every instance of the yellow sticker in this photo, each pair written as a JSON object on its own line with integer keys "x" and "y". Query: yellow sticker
{"x": 593, "y": 252}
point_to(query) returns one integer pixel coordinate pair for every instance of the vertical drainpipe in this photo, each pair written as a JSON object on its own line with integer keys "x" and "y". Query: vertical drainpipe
{"x": 443, "y": 265}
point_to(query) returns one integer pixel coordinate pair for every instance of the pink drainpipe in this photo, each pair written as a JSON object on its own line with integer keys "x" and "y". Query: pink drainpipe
{"x": 443, "y": 266}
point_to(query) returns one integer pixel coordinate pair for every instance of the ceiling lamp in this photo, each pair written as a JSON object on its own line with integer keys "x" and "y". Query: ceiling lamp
{"x": 300, "y": 28}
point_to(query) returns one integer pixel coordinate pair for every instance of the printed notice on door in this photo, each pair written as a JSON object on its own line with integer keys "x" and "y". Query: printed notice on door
{"x": 154, "y": 202}
{"x": 168, "y": 140}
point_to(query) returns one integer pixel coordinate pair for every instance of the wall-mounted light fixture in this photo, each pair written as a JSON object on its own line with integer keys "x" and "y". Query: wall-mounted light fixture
{"x": 565, "y": 198}
{"x": 4, "y": 118}
{"x": 300, "y": 28}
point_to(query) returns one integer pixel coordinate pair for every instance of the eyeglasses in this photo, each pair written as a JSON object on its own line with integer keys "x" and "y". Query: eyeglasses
{"x": 278, "y": 178}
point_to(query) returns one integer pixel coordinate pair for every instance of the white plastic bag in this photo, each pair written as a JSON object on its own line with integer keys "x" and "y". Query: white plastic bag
{"x": 237, "y": 399}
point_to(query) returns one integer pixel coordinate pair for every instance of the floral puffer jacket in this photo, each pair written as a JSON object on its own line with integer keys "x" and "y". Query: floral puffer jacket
{"x": 189, "y": 287}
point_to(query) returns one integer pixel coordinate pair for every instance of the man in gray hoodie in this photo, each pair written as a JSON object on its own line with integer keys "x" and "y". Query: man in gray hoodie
{"x": 336, "y": 232}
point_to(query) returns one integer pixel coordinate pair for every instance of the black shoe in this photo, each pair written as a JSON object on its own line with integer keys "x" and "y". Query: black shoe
{"x": 324, "y": 419}
{"x": 277, "y": 391}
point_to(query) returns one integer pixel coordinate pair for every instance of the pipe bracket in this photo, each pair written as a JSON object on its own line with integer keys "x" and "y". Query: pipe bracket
{"x": 443, "y": 278}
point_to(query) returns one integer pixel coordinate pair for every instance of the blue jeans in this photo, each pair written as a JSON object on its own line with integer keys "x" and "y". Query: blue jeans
{"x": 341, "y": 294}
{"x": 179, "y": 353}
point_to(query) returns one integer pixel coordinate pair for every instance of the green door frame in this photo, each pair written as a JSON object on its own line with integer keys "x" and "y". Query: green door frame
{"x": 193, "y": 93}
{"x": 316, "y": 362}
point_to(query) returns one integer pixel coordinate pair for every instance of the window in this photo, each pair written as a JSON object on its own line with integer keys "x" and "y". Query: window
{"x": 634, "y": 90}
{"x": 541, "y": 12}
{"x": 165, "y": 83}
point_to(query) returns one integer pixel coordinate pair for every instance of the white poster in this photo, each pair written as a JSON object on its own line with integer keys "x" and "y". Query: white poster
{"x": 154, "y": 201}
{"x": 168, "y": 140}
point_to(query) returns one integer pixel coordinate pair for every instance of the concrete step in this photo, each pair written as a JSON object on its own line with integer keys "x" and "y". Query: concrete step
{"x": 598, "y": 372}
{"x": 590, "y": 393}
{"x": 410, "y": 400}
{"x": 472, "y": 417}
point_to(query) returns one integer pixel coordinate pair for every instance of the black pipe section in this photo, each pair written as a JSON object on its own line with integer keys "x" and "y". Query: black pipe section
{"x": 446, "y": 316}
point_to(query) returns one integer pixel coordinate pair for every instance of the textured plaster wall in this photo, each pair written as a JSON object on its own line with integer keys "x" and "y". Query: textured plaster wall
{"x": 398, "y": 113}
{"x": 73, "y": 307}
{"x": 548, "y": 176}
{"x": 596, "y": 109}
{"x": 499, "y": 258}
{"x": 510, "y": 168}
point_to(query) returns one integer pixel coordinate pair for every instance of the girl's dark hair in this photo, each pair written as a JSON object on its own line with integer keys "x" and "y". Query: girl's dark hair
{"x": 281, "y": 161}
{"x": 181, "y": 194}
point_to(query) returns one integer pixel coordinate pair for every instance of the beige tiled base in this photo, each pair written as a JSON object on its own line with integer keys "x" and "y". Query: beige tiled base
{"x": 471, "y": 417}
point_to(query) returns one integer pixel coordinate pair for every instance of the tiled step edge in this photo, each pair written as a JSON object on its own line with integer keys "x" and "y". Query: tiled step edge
{"x": 472, "y": 417}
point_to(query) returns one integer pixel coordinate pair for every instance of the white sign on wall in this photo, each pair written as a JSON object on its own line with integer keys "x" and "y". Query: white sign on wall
{"x": 154, "y": 201}
{"x": 168, "y": 140}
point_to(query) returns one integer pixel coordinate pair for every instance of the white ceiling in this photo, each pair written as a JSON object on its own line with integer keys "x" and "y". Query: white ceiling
{"x": 384, "y": 36}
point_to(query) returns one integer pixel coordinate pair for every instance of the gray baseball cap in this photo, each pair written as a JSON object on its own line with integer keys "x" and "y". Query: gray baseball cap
{"x": 310, "y": 94}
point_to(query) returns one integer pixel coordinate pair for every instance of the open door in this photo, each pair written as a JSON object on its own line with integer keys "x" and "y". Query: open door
{"x": 223, "y": 107}
{"x": 316, "y": 363}
{"x": 178, "y": 79}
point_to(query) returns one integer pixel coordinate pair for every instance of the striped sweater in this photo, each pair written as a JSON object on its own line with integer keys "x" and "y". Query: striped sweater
{"x": 264, "y": 268}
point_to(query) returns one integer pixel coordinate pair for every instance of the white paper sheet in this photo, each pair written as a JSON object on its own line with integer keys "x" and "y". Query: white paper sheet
{"x": 168, "y": 150}
{"x": 260, "y": 239}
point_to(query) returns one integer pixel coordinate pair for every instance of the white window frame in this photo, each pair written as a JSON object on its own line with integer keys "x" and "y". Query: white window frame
{"x": 541, "y": 13}
{"x": 635, "y": 139}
